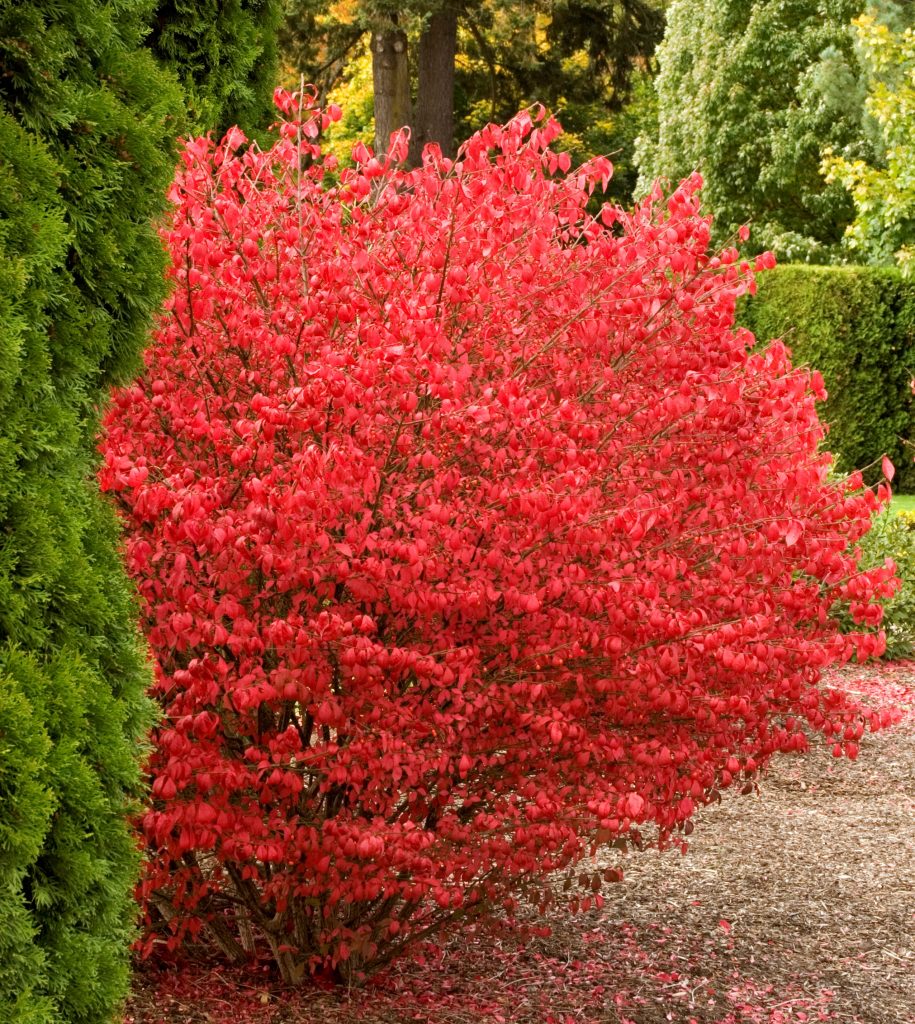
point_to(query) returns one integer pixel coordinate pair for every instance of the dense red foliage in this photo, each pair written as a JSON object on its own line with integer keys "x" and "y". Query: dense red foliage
{"x": 468, "y": 532}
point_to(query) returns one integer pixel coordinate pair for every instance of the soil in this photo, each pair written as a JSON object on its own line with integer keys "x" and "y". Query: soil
{"x": 796, "y": 904}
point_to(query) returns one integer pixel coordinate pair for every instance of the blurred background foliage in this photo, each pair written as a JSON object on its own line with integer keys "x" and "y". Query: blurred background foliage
{"x": 590, "y": 63}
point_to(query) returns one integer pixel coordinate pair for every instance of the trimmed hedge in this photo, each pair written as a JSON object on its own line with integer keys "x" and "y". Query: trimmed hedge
{"x": 856, "y": 325}
{"x": 87, "y": 120}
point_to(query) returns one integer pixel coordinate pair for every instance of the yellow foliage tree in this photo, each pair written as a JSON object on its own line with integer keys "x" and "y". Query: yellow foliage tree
{"x": 883, "y": 191}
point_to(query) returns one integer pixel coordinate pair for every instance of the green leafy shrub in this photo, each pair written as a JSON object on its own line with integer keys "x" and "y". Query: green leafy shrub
{"x": 893, "y": 536}
{"x": 883, "y": 189}
{"x": 86, "y": 125}
{"x": 856, "y": 325}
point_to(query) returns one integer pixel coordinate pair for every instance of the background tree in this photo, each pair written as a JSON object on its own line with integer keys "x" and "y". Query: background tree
{"x": 433, "y": 120}
{"x": 883, "y": 188}
{"x": 585, "y": 60}
{"x": 87, "y": 120}
{"x": 590, "y": 63}
{"x": 320, "y": 39}
{"x": 392, "y": 106}
{"x": 750, "y": 93}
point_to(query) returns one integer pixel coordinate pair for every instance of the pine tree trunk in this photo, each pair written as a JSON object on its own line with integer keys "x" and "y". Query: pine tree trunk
{"x": 434, "y": 120}
{"x": 391, "y": 81}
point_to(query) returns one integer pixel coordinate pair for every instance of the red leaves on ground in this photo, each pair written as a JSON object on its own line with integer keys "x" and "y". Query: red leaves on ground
{"x": 469, "y": 533}
{"x": 625, "y": 973}
{"x": 887, "y": 693}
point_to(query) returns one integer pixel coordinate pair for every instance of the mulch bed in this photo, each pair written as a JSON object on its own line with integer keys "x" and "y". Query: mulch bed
{"x": 794, "y": 905}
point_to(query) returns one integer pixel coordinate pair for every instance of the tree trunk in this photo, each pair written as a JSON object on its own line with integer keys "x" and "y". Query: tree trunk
{"x": 434, "y": 120}
{"x": 391, "y": 81}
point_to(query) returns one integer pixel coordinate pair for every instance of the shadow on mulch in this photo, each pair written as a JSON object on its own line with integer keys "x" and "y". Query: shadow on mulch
{"x": 796, "y": 905}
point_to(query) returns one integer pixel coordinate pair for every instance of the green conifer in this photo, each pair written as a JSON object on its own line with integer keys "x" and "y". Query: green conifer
{"x": 225, "y": 54}
{"x": 87, "y": 122}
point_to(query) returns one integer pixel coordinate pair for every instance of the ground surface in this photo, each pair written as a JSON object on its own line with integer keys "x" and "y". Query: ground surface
{"x": 795, "y": 905}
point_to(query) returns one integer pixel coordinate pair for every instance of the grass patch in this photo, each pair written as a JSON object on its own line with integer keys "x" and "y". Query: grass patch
{"x": 903, "y": 503}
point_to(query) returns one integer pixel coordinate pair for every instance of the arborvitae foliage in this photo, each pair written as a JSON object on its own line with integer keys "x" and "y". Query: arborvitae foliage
{"x": 86, "y": 126}
{"x": 224, "y": 52}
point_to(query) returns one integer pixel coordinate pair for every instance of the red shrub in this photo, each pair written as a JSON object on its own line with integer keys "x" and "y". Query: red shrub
{"x": 469, "y": 532}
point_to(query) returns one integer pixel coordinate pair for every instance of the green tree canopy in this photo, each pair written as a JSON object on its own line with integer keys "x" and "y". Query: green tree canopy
{"x": 749, "y": 93}
{"x": 883, "y": 188}
{"x": 87, "y": 126}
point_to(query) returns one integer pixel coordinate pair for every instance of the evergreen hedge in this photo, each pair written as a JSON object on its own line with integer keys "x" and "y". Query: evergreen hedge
{"x": 856, "y": 325}
{"x": 225, "y": 54}
{"x": 87, "y": 121}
